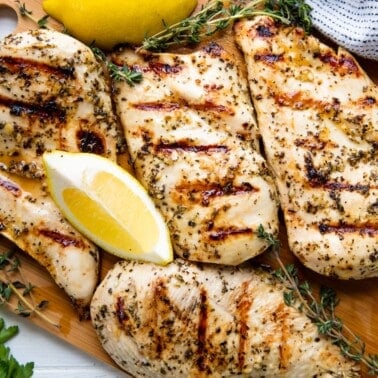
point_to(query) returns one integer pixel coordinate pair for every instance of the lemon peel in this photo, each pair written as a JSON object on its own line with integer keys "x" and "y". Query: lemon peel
{"x": 108, "y": 205}
{"x": 107, "y": 23}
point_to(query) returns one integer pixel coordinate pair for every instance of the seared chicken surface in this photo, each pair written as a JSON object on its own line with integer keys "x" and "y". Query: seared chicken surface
{"x": 318, "y": 115}
{"x": 53, "y": 95}
{"x": 193, "y": 320}
{"x": 36, "y": 226}
{"x": 192, "y": 136}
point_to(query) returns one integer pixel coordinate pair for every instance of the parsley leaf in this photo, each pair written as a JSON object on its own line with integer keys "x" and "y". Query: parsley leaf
{"x": 9, "y": 366}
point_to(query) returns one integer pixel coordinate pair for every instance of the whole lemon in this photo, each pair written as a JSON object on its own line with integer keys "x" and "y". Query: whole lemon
{"x": 107, "y": 23}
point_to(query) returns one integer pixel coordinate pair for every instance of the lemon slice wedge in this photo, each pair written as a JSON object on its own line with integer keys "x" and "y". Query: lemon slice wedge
{"x": 108, "y": 205}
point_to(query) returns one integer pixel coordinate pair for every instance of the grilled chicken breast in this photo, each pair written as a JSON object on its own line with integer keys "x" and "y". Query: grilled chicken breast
{"x": 53, "y": 95}
{"x": 318, "y": 116}
{"x": 192, "y": 320}
{"x": 36, "y": 226}
{"x": 192, "y": 136}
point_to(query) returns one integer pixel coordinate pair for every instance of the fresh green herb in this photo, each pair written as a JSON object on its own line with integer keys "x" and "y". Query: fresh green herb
{"x": 322, "y": 311}
{"x": 296, "y": 12}
{"x": 22, "y": 8}
{"x": 118, "y": 73}
{"x": 9, "y": 287}
{"x": 9, "y": 366}
{"x": 219, "y": 15}
{"x": 6, "y": 333}
{"x": 42, "y": 22}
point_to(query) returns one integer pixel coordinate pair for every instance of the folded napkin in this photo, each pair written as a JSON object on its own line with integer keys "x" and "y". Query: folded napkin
{"x": 352, "y": 24}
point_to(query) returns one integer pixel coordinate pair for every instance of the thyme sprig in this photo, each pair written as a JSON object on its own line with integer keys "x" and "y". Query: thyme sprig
{"x": 294, "y": 11}
{"x": 118, "y": 73}
{"x": 322, "y": 311}
{"x": 218, "y": 15}
{"x": 41, "y": 22}
{"x": 10, "y": 265}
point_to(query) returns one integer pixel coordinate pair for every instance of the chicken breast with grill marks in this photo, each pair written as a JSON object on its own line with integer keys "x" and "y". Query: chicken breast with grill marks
{"x": 193, "y": 139}
{"x": 53, "y": 95}
{"x": 318, "y": 115}
{"x": 36, "y": 226}
{"x": 204, "y": 320}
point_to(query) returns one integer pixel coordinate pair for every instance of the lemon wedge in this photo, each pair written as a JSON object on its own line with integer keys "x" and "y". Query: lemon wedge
{"x": 108, "y": 205}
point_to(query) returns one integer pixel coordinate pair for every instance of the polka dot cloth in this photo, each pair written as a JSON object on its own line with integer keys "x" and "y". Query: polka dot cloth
{"x": 352, "y": 24}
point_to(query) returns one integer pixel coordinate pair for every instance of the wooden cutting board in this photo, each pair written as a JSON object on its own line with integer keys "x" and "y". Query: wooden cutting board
{"x": 358, "y": 306}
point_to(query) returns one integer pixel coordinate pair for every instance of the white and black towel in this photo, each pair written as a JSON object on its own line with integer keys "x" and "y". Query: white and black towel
{"x": 352, "y": 24}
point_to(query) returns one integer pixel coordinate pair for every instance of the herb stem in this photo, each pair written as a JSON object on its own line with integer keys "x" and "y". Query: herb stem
{"x": 13, "y": 265}
{"x": 322, "y": 312}
{"x": 218, "y": 15}
{"x": 42, "y": 22}
{"x": 32, "y": 308}
{"x": 117, "y": 73}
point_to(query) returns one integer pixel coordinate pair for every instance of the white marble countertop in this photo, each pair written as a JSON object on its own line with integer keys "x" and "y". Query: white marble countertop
{"x": 52, "y": 357}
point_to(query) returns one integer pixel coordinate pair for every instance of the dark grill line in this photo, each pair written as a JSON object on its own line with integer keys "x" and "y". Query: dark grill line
{"x": 205, "y": 192}
{"x": 21, "y": 65}
{"x": 369, "y": 229}
{"x": 207, "y": 106}
{"x": 163, "y": 68}
{"x": 161, "y": 302}
{"x": 184, "y": 146}
{"x": 62, "y": 239}
{"x": 318, "y": 178}
{"x": 343, "y": 64}
{"x": 157, "y": 106}
{"x": 243, "y": 307}
{"x": 222, "y": 234}
{"x": 219, "y": 191}
{"x": 269, "y": 58}
{"x": 120, "y": 311}
{"x": 202, "y": 330}
{"x": 10, "y": 187}
{"x": 297, "y": 100}
{"x": 47, "y": 110}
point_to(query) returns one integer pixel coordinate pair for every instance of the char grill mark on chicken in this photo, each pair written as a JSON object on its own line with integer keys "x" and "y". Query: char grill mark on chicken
{"x": 189, "y": 319}
{"x": 53, "y": 95}
{"x": 318, "y": 116}
{"x": 191, "y": 133}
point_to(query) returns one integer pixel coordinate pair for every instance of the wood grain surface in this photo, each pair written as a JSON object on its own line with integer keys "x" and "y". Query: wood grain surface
{"x": 359, "y": 299}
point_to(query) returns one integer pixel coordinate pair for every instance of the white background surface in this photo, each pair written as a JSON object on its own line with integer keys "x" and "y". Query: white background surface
{"x": 51, "y": 356}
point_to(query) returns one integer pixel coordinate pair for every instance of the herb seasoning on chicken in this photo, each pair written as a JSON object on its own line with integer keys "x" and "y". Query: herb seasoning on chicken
{"x": 191, "y": 133}
{"x": 53, "y": 95}
{"x": 201, "y": 320}
{"x": 318, "y": 115}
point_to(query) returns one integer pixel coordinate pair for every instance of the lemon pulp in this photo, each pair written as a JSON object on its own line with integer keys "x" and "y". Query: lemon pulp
{"x": 107, "y": 205}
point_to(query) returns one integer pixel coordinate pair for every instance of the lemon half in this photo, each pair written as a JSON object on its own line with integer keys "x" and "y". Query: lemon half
{"x": 108, "y": 23}
{"x": 108, "y": 205}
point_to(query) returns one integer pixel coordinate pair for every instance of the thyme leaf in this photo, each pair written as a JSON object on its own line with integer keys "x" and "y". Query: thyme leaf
{"x": 118, "y": 73}
{"x": 10, "y": 266}
{"x": 23, "y": 10}
{"x": 321, "y": 312}
{"x": 297, "y": 12}
{"x": 42, "y": 22}
{"x": 218, "y": 15}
